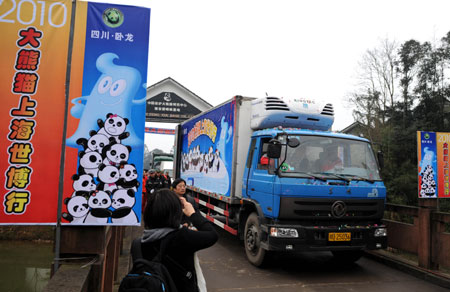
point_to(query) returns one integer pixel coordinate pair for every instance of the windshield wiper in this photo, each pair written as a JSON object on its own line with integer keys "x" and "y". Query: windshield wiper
{"x": 360, "y": 178}
{"x": 315, "y": 176}
{"x": 337, "y": 176}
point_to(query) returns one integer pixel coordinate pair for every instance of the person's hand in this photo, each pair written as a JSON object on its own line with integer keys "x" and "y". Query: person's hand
{"x": 188, "y": 209}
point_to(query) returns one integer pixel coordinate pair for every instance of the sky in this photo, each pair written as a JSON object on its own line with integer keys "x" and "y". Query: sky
{"x": 285, "y": 48}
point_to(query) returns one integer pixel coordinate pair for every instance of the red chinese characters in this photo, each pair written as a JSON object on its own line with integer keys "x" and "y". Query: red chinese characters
{"x": 29, "y": 36}
{"x": 27, "y": 59}
{"x": 21, "y": 129}
{"x": 446, "y": 169}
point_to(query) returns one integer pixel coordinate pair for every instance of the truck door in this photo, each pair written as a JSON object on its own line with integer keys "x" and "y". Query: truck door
{"x": 260, "y": 175}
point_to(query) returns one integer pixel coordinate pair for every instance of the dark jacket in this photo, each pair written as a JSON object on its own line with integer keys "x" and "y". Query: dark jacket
{"x": 153, "y": 183}
{"x": 181, "y": 248}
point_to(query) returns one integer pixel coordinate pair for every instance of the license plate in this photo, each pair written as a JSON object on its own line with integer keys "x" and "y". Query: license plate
{"x": 339, "y": 236}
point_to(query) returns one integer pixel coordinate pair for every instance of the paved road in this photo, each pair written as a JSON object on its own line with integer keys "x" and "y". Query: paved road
{"x": 226, "y": 268}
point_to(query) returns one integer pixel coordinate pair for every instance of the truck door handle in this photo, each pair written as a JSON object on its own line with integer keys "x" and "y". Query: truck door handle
{"x": 252, "y": 189}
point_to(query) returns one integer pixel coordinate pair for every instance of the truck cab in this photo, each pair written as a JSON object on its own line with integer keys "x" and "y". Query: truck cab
{"x": 322, "y": 192}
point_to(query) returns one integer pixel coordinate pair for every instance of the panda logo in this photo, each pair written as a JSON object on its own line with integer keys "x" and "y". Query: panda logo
{"x": 95, "y": 143}
{"x": 128, "y": 177}
{"x": 115, "y": 153}
{"x": 108, "y": 176}
{"x": 83, "y": 184}
{"x": 89, "y": 162}
{"x": 122, "y": 202}
{"x": 78, "y": 208}
{"x": 99, "y": 202}
{"x": 113, "y": 127}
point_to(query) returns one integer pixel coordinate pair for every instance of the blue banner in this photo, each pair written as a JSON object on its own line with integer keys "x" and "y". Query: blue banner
{"x": 108, "y": 119}
{"x": 427, "y": 159}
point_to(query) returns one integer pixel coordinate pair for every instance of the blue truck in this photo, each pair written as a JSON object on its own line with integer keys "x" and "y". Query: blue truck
{"x": 270, "y": 171}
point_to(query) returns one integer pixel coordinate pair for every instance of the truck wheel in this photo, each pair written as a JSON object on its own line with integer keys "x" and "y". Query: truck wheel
{"x": 252, "y": 240}
{"x": 347, "y": 256}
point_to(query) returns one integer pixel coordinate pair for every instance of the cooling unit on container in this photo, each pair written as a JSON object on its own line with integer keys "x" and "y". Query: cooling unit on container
{"x": 303, "y": 113}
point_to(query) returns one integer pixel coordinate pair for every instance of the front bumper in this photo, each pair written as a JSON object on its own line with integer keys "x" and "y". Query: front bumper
{"x": 315, "y": 238}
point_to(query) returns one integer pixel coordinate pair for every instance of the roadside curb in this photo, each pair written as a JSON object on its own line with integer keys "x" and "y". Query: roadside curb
{"x": 434, "y": 277}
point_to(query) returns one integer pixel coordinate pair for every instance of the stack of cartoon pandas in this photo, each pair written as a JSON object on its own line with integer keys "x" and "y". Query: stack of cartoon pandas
{"x": 105, "y": 160}
{"x": 428, "y": 187}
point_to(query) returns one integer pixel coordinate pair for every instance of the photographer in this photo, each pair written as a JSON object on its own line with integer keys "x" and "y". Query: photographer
{"x": 162, "y": 218}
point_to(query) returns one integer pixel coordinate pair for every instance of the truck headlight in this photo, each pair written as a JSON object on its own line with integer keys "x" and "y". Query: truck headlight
{"x": 283, "y": 232}
{"x": 379, "y": 232}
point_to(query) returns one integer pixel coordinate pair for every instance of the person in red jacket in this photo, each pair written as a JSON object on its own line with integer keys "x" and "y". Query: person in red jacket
{"x": 144, "y": 191}
{"x": 331, "y": 159}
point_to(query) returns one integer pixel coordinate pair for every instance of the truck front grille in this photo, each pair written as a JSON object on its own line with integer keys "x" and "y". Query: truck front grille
{"x": 331, "y": 209}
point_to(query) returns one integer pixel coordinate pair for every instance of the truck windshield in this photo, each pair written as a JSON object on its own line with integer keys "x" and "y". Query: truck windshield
{"x": 332, "y": 158}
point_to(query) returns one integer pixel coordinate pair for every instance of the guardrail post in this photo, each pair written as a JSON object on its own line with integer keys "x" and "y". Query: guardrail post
{"x": 426, "y": 206}
{"x": 109, "y": 267}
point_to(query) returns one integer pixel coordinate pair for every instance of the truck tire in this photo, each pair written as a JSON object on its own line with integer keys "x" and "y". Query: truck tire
{"x": 347, "y": 256}
{"x": 252, "y": 238}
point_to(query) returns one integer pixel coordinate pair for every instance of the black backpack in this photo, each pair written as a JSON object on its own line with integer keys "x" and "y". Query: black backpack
{"x": 147, "y": 275}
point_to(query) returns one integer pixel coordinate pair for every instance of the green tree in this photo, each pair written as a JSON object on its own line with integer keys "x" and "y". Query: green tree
{"x": 418, "y": 71}
{"x": 410, "y": 53}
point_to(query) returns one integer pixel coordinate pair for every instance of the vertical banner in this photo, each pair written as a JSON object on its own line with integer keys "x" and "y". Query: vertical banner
{"x": 106, "y": 120}
{"x": 207, "y": 150}
{"x": 433, "y": 164}
{"x": 33, "y": 53}
{"x": 442, "y": 145}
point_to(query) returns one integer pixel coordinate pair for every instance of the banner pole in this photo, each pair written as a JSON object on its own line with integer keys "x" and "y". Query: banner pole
{"x": 63, "y": 142}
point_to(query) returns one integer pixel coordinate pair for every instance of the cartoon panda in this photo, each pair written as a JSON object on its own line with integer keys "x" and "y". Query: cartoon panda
{"x": 115, "y": 153}
{"x": 123, "y": 202}
{"x": 89, "y": 162}
{"x": 108, "y": 175}
{"x": 216, "y": 164}
{"x": 210, "y": 157}
{"x": 114, "y": 126}
{"x": 95, "y": 143}
{"x": 98, "y": 202}
{"x": 83, "y": 184}
{"x": 201, "y": 162}
{"x": 128, "y": 177}
{"x": 78, "y": 208}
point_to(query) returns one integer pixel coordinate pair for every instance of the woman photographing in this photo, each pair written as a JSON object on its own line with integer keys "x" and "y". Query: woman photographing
{"x": 162, "y": 218}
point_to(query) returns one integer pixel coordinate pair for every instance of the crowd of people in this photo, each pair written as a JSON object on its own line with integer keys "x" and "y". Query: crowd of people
{"x": 154, "y": 180}
{"x": 170, "y": 214}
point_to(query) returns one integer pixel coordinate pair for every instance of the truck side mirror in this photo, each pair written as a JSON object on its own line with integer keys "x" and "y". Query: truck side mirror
{"x": 293, "y": 142}
{"x": 380, "y": 157}
{"x": 274, "y": 150}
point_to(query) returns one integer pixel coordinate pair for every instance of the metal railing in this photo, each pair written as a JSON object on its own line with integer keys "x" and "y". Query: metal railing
{"x": 421, "y": 231}
{"x": 89, "y": 258}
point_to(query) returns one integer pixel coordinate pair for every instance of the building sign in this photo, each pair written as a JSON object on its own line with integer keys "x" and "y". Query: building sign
{"x": 433, "y": 164}
{"x": 35, "y": 37}
{"x": 150, "y": 130}
{"x": 169, "y": 107}
{"x": 105, "y": 134}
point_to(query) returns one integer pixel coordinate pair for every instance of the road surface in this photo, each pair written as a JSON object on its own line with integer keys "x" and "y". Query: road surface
{"x": 226, "y": 268}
